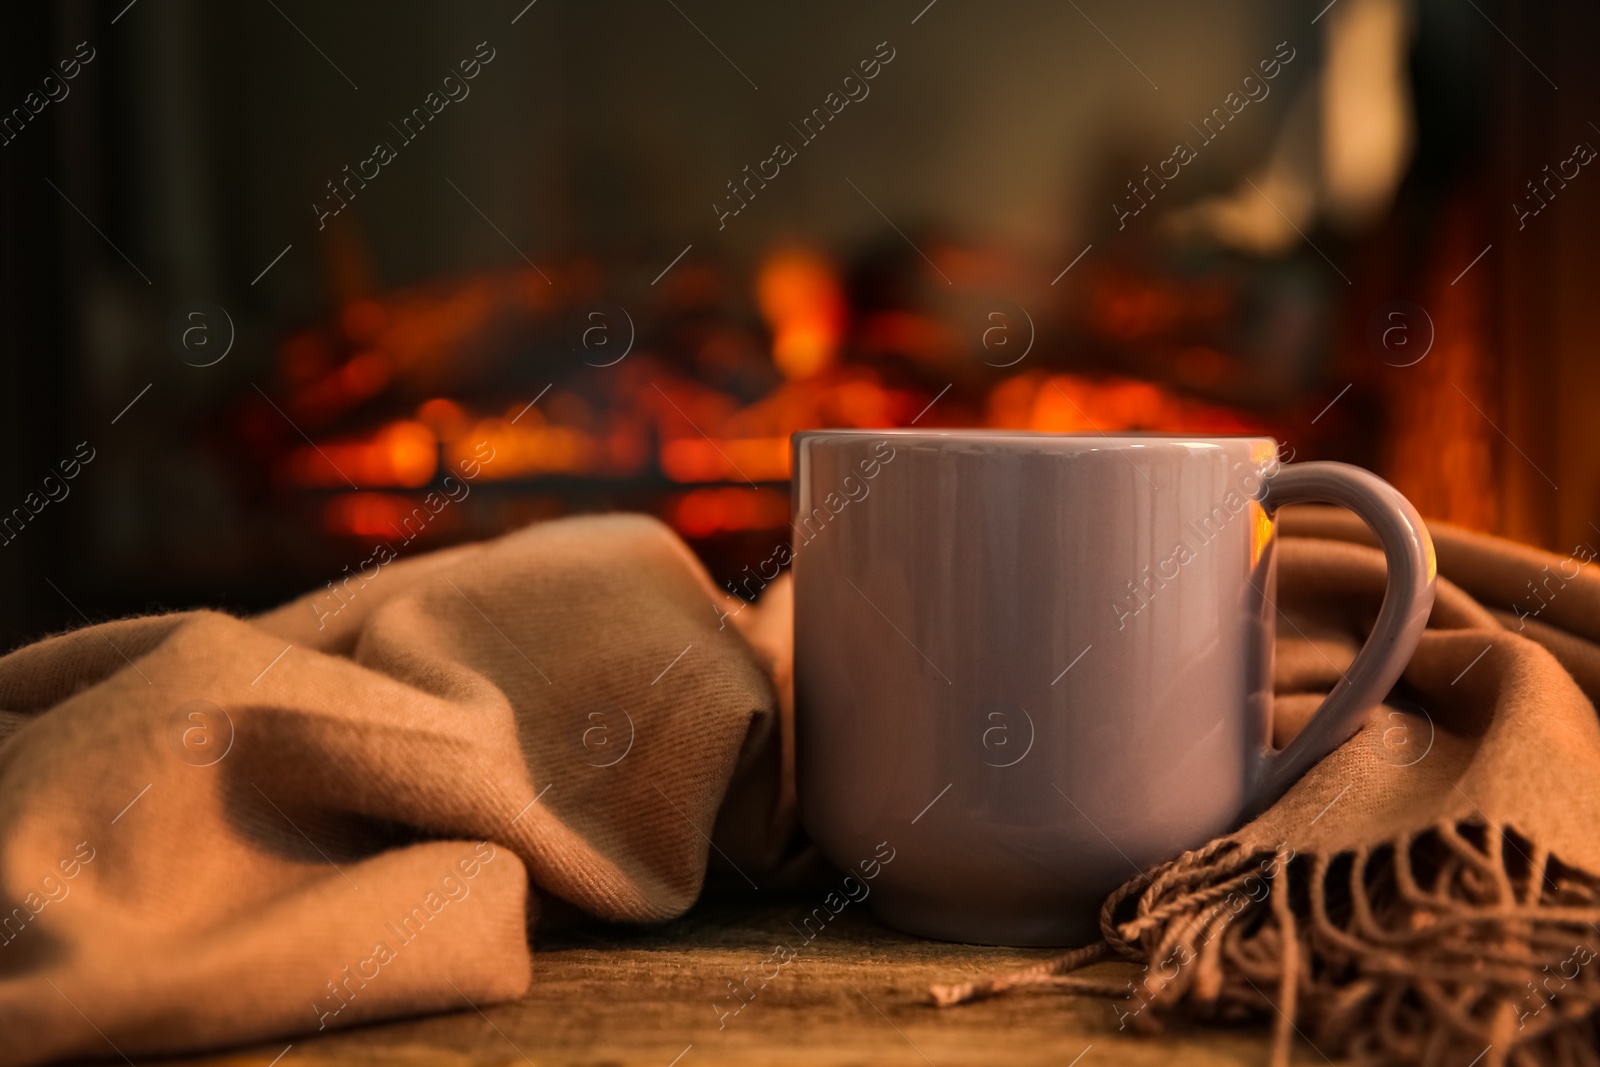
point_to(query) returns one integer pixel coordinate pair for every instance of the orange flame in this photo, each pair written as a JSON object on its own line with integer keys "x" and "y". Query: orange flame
{"x": 703, "y": 512}
{"x": 801, "y": 300}
{"x": 402, "y": 454}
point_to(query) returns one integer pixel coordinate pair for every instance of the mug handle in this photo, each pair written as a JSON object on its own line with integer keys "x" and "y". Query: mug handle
{"x": 1407, "y": 602}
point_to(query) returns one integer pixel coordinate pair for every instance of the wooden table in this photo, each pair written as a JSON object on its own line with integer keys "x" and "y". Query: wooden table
{"x": 856, "y": 994}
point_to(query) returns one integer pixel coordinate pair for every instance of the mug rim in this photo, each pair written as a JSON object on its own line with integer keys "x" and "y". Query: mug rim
{"x": 1132, "y": 438}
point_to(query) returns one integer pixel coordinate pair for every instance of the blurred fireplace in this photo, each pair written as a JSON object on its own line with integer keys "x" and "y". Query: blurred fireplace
{"x": 465, "y": 407}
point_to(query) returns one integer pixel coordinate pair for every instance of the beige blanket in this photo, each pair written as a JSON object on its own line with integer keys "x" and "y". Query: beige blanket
{"x": 216, "y": 830}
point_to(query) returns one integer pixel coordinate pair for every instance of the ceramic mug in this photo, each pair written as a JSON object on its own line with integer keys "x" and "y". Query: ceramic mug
{"x": 1036, "y": 664}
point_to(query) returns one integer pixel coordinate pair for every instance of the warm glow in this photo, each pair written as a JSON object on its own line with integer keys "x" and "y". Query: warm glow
{"x": 652, "y": 418}
{"x": 525, "y": 449}
{"x": 364, "y": 375}
{"x": 1366, "y": 115}
{"x": 1068, "y": 403}
{"x": 401, "y": 454}
{"x": 804, "y": 307}
{"x": 696, "y": 459}
{"x": 364, "y": 321}
{"x": 695, "y": 435}
{"x": 447, "y": 419}
{"x": 365, "y": 514}
{"x": 1261, "y": 528}
{"x": 704, "y": 512}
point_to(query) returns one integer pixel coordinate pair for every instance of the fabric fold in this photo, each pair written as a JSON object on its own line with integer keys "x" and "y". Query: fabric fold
{"x": 215, "y": 830}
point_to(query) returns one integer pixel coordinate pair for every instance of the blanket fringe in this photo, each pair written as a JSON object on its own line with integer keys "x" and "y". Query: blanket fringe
{"x": 1039, "y": 974}
{"x": 1465, "y": 943}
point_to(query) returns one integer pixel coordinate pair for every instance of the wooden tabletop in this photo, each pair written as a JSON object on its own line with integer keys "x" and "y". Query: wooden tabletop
{"x": 857, "y": 993}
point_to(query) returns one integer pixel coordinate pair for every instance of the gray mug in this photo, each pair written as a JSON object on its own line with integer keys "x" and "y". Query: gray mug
{"x": 1036, "y": 664}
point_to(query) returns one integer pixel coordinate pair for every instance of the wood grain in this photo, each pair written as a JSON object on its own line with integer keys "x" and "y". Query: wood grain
{"x": 855, "y": 993}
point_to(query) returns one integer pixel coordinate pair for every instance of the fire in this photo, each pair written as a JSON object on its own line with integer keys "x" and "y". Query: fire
{"x": 702, "y": 438}
{"x": 366, "y": 514}
{"x": 403, "y": 454}
{"x": 1068, "y": 403}
{"x": 524, "y": 451}
{"x": 703, "y": 512}
{"x": 801, "y": 300}
{"x": 447, "y": 419}
{"x": 758, "y": 459}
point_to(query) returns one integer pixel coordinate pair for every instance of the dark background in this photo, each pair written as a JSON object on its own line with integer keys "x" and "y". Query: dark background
{"x": 189, "y": 152}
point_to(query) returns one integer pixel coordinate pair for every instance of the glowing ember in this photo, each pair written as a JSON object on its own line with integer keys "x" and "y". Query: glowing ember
{"x": 404, "y": 454}
{"x": 366, "y": 514}
{"x": 801, "y": 300}
{"x": 525, "y": 450}
{"x": 700, "y": 459}
{"x": 646, "y": 425}
{"x": 447, "y": 419}
{"x": 1066, "y": 403}
{"x": 704, "y": 512}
